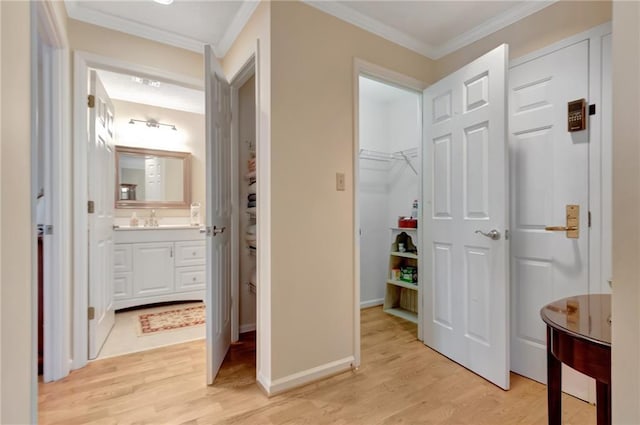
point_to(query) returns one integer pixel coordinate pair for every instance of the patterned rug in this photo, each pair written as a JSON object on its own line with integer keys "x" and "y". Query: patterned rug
{"x": 173, "y": 319}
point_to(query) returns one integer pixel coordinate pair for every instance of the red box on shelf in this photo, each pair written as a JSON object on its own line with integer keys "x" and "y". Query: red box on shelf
{"x": 408, "y": 223}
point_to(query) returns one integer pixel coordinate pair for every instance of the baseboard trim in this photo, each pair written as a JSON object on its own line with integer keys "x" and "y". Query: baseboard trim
{"x": 307, "y": 376}
{"x": 371, "y": 303}
{"x": 247, "y": 328}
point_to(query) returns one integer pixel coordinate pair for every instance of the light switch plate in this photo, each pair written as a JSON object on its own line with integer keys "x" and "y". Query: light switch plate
{"x": 340, "y": 182}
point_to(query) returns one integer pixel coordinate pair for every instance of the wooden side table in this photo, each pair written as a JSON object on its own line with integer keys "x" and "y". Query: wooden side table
{"x": 579, "y": 335}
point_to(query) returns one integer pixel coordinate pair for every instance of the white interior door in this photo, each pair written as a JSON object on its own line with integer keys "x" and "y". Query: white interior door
{"x": 101, "y": 191}
{"x": 549, "y": 170}
{"x": 218, "y": 164}
{"x": 465, "y": 192}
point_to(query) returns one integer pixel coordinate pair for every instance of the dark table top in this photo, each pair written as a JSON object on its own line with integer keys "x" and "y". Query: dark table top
{"x": 585, "y": 316}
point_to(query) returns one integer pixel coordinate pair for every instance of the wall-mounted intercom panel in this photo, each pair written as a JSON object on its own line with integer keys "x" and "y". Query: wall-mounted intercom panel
{"x": 577, "y": 115}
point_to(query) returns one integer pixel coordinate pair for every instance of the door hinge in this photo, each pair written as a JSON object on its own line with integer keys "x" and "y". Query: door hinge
{"x": 91, "y": 207}
{"x": 589, "y": 219}
{"x": 91, "y": 313}
{"x": 48, "y": 229}
{"x": 506, "y": 234}
{"x": 91, "y": 101}
{"x": 592, "y": 109}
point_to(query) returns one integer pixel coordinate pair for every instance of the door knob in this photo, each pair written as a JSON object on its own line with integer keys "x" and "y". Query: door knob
{"x": 494, "y": 235}
{"x": 217, "y": 231}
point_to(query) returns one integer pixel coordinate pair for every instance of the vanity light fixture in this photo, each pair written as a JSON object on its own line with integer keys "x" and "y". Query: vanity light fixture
{"x": 153, "y": 124}
{"x": 164, "y": 2}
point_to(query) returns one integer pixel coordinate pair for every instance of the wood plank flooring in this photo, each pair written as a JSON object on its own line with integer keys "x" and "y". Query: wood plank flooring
{"x": 400, "y": 382}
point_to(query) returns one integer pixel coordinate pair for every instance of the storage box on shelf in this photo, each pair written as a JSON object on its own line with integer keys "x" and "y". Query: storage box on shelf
{"x": 401, "y": 296}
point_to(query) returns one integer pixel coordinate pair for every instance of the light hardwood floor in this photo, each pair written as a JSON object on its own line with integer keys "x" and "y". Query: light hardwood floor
{"x": 400, "y": 382}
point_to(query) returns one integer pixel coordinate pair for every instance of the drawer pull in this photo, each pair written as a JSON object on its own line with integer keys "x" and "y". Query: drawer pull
{"x": 194, "y": 278}
{"x": 193, "y": 253}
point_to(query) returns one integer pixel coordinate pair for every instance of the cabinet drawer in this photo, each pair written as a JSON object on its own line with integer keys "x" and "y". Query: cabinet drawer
{"x": 190, "y": 253}
{"x": 190, "y": 278}
{"x": 122, "y": 286}
{"x": 122, "y": 258}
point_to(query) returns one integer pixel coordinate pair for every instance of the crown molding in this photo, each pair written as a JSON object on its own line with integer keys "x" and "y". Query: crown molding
{"x": 372, "y": 25}
{"x": 490, "y": 26}
{"x": 123, "y": 25}
{"x": 237, "y": 24}
{"x": 394, "y": 35}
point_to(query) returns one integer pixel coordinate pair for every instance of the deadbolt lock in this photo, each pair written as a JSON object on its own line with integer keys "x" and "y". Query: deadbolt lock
{"x": 573, "y": 223}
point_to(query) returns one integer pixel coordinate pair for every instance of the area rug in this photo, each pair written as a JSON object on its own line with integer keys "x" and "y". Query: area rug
{"x": 178, "y": 318}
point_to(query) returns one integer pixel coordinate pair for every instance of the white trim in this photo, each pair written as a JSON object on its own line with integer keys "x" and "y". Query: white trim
{"x": 247, "y": 328}
{"x": 80, "y": 350}
{"x": 490, "y": 26}
{"x": 305, "y": 377}
{"x": 246, "y": 72}
{"x": 263, "y": 222}
{"x": 130, "y": 27}
{"x": 82, "y": 62}
{"x": 403, "y": 39}
{"x": 373, "y": 26}
{"x": 361, "y": 67}
{"x": 371, "y": 303}
{"x": 235, "y": 27}
{"x": 160, "y": 35}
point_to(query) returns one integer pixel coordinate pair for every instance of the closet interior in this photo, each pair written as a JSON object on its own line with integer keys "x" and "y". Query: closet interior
{"x": 390, "y": 131}
{"x": 247, "y": 202}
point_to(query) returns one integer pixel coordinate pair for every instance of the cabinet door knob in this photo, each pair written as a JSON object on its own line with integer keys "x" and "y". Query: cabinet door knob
{"x": 193, "y": 253}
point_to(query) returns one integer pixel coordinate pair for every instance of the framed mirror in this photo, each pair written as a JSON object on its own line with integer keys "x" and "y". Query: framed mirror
{"x": 151, "y": 178}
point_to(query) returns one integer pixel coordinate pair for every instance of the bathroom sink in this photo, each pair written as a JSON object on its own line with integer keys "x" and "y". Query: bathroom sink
{"x": 160, "y": 227}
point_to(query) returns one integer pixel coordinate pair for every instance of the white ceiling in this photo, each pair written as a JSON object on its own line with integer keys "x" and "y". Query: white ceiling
{"x": 171, "y": 96}
{"x": 376, "y": 91}
{"x": 433, "y": 28}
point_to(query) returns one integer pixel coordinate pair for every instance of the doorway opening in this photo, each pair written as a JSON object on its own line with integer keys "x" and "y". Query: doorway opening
{"x": 387, "y": 169}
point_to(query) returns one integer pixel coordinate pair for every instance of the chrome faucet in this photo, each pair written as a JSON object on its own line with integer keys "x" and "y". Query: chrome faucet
{"x": 152, "y": 220}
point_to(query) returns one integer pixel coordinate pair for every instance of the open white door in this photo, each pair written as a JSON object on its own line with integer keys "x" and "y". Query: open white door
{"x": 466, "y": 295}
{"x": 218, "y": 175}
{"x": 101, "y": 194}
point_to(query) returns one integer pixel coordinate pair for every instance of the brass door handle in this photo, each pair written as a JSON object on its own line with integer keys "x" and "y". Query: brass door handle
{"x": 560, "y": 228}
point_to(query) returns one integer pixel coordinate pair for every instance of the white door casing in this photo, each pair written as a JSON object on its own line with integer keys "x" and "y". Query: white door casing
{"x": 218, "y": 184}
{"x": 549, "y": 170}
{"x": 465, "y": 189}
{"x": 101, "y": 187}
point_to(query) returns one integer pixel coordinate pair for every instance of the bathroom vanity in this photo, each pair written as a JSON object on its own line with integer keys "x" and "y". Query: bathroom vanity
{"x": 158, "y": 264}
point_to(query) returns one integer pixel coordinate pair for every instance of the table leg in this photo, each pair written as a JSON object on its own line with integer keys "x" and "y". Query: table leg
{"x": 554, "y": 384}
{"x": 603, "y": 403}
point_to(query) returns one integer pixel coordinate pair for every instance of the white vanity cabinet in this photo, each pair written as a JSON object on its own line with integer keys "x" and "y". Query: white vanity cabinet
{"x": 158, "y": 265}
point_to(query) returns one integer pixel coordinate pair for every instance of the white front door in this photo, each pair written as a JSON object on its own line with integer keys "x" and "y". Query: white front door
{"x": 465, "y": 192}
{"x": 101, "y": 161}
{"x": 549, "y": 170}
{"x": 218, "y": 175}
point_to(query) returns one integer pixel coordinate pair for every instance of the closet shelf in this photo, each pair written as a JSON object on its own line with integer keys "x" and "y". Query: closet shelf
{"x": 251, "y": 211}
{"x": 250, "y": 175}
{"x": 403, "y": 314}
{"x": 412, "y": 286}
{"x": 405, "y": 229}
{"x": 404, "y": 255}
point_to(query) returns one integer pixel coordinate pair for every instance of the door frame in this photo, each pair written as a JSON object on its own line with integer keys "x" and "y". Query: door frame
{"x": 82, "y": 62}
{"x": 50, "y": 32}
{"x": 393, "y": 78}
{"x": 245, "y": 73}
{"x": 600, "y": 155}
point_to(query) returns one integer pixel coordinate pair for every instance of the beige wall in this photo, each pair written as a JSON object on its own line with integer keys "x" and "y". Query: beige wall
{"x": 17, "y": 374}
{"x": 188, "y": 138}
{"x": 551, "y": 24}
{"x": 113, "y": 44}
{"x": 626, "y": 204}
{"x": 312, "y": 139}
